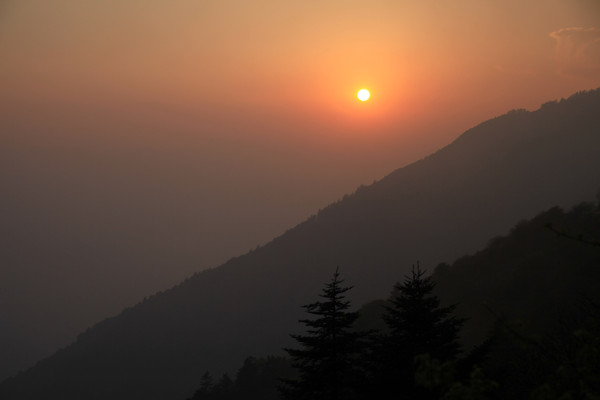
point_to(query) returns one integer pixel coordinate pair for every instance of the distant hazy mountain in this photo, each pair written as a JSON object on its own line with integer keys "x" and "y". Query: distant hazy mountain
{"x": 444, "y": 206}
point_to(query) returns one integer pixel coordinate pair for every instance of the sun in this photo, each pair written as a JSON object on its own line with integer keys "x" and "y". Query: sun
{"x": 363, "y": 95}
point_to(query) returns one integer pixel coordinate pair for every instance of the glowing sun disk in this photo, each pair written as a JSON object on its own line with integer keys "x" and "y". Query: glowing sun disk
{"x": 363, "y": 95}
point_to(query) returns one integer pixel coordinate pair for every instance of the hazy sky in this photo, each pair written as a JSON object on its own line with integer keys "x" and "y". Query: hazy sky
{"x": 141, "y": 141}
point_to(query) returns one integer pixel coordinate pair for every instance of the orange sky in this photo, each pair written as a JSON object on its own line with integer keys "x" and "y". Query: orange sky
{"x": 303, "y": 61}
{"x": 269, "y": 87}
{"x": 199, "y": 129}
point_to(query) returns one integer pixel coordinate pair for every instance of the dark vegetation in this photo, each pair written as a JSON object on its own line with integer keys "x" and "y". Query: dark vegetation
{"x": 534, "y": 292}
{"x": 417, "y": 324}
{"x": 436, "y": 209}
{"x": 258, "y": 378}
{"x": 328, "y": 360}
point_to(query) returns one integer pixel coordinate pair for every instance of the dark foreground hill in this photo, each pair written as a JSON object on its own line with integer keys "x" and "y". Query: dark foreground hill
{"x": 534, "y": 277}
{"x": 538, "y": 287}
{"x": 437, "y": 209}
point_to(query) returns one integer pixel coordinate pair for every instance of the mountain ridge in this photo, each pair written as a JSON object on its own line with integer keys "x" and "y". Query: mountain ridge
{"x": 436, "y": 209}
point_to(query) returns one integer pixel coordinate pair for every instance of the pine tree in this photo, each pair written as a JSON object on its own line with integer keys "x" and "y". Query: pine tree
{"x": 206, "y": 386}
{"x": 417, "y": 325}
{"x": 327, "y": 358}
{"x": 224, "y": 389}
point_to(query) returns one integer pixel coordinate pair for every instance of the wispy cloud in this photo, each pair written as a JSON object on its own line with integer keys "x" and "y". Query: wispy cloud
{"x": 577, "y": 51}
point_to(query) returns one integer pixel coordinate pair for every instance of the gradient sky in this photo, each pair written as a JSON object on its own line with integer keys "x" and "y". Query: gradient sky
{"x": 141, "y": 141}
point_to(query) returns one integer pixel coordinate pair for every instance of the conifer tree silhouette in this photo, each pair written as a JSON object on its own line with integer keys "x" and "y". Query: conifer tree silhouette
{"x": 327, "y": 358}
{"x": 417, "y": 325}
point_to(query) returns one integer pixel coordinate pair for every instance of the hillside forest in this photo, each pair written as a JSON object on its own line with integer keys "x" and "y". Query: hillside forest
{"x": 518, "y": 320}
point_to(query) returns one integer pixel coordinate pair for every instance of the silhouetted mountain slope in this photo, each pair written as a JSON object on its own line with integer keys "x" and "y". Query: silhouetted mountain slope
{"x": 437, "y": 209}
